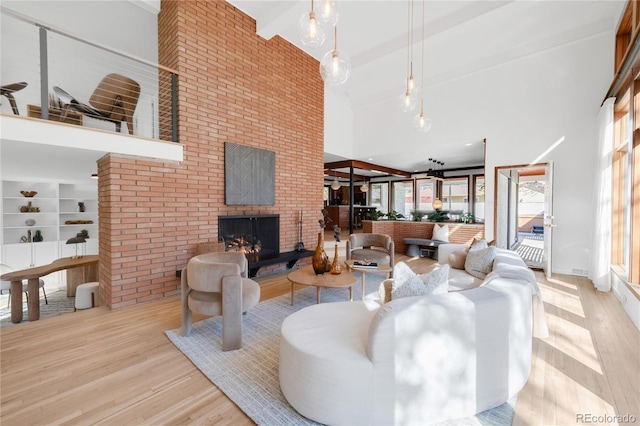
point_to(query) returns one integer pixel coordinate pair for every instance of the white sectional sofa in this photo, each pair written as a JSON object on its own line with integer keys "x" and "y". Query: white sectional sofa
{"x": 458, "y": 278}
{"x": 414, "y": 360}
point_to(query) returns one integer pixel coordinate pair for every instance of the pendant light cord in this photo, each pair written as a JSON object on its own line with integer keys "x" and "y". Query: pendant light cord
{"x": 409, "y": 45}
{"x": 422, "y": 76}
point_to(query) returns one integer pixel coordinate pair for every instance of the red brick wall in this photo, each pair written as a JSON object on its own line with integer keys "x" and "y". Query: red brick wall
{"x": 233, "y": 86}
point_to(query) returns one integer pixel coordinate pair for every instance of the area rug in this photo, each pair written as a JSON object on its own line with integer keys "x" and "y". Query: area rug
{"x": 249, "y": 376}
{"x": 58, "y": 304}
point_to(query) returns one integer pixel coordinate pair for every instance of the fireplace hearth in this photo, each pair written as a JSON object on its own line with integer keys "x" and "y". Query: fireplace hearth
{"x": 254, "y": 235}
{"x": 258, "y": 237}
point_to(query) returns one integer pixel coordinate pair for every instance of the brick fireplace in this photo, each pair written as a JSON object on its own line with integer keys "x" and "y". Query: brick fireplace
{"x": 233, "y": 86}
{"x": 254, "y": 235}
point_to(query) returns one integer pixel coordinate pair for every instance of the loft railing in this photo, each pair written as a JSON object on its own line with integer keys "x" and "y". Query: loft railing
{"x": 71, "y": 80}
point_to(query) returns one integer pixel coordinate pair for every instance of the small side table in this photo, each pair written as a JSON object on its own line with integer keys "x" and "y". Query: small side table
{"x": 306, "y": 276}
{"x": 386, "y": 269}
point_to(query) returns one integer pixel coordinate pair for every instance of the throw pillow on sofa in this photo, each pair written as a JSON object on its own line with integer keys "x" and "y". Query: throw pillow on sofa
{"x": 489, "y": 243}
{"x": 407, "y": 283}
{"x": 436, "y": 281}
{"x": 457, "y": 259}
{"x": 480, "y": 261}
{"x": 440, "y": 233}
{"x": 477, "y": 244}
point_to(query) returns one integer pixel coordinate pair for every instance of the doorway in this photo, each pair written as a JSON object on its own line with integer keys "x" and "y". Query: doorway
{"x": 524, "y": 215}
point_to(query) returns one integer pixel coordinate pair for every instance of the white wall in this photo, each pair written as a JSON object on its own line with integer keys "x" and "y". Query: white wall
{"x": 122, "y": 25}
{"x": 338, "y": 124}
{"x": 523, "y": 107}
{"x": 628, "y": 300}
{"x": 546, "y": 108}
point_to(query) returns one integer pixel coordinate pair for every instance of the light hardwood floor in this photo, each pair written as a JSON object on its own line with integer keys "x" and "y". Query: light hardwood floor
{"x": 118, "y": 368}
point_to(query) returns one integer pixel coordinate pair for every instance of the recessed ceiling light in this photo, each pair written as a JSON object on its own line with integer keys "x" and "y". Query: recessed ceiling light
{"x": 370, "y": 159}
{"x": 468, "y": 144}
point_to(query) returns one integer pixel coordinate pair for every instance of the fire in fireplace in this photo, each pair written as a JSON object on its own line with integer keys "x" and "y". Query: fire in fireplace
{"x": 244, "y": 244}
{"x": 256, "y": 235}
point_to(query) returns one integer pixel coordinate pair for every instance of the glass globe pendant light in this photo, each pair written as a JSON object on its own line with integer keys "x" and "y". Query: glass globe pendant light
{"x": 408, "y": 98}
{"x": 407, "y": 101}
{"x": 335, "y": 185}
{"x": 310, "y": 31}
{"x": 335, "y": 66}
{"x": 420, "y": 122}
{"x": 329, "y": 12}
{"x": 364, "y": 187}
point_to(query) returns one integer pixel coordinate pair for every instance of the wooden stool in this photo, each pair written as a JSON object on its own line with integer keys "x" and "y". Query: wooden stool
{"x": 86, "y": 295}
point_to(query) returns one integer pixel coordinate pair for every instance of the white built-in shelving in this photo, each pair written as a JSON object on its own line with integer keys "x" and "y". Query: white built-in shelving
{"x": 57, "y": 214}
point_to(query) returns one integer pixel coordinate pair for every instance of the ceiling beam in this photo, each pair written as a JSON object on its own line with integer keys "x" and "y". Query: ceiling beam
{"x": 457, "y": 169}
{"x": 366, "y": 166}
{"x": 344, "y": 175}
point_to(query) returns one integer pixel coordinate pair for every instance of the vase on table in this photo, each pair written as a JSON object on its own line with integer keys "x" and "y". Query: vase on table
{"x": 335, "y": 265}
{"x": 320, "y": 260}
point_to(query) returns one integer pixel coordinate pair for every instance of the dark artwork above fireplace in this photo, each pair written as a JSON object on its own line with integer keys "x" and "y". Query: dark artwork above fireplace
{"x": 249, "y": 175}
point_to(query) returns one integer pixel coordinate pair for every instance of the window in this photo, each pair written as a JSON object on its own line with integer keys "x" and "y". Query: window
{"x": 455, "y": 195}
{"x": 625, "y": 215}
{"x": 379, "y": 196}
{"x": 426, "y": 189}
{"x": 478, "y": 198}
{"x": 403, "y": 197}
{"x": 622, "y": 189}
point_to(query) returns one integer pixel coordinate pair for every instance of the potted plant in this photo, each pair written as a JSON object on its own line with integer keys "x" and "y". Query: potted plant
{"x": 394, "y": 215}
{"x": 416, "y": 215}
{"x": 438, "y": 216}
{"x": 467, "y": 217}
{"x": 375, "y": 214}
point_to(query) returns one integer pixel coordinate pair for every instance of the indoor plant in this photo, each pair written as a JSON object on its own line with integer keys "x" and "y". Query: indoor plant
{"x": 416, "y": 215}
{"x": 467, "y": 217}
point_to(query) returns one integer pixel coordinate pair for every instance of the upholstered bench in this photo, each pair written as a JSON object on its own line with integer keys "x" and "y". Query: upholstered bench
{"x": 417, "y": 245}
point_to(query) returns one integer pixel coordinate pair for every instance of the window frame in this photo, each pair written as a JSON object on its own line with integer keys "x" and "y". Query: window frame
{"x": 446, "y": 207}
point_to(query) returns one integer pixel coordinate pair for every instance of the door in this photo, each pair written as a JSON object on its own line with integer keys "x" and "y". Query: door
{"x": 548, "y": 220}
{"x": 524, "y": 211}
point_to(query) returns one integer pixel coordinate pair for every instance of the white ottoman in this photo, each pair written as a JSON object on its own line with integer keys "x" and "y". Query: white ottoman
{"x": 87, "y": 295}
{"x": 325, "y": 373}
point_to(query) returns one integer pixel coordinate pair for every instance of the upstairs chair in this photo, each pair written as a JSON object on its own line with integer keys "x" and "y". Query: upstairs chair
{"x": 7, "y": 91}
{"x": 217, "y": 284}
{"x": 114, "y": 100}
{"x": 6, "y": 285}
{"x": 377, "y": 248}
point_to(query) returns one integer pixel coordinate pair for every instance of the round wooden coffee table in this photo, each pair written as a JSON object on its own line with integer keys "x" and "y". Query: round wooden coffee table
{"x": 306, "y": 276}
{"x": 380, "y": 268}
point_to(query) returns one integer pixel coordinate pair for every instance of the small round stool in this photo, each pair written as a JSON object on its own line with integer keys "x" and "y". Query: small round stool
{"x": 86, "y": 295}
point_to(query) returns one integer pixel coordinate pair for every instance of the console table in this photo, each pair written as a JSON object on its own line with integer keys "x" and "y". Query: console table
{"x": 33, "y": 276}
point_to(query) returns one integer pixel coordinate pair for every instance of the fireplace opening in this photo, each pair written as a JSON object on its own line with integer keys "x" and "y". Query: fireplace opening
{"x": 255, "y": 235}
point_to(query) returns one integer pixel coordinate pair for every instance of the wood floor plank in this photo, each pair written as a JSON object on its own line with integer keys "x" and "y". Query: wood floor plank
{"x": 114, "y": 368}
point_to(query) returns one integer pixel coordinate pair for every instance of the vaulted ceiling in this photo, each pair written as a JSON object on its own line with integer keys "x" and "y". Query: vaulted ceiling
{"x": 461, "y": 38}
